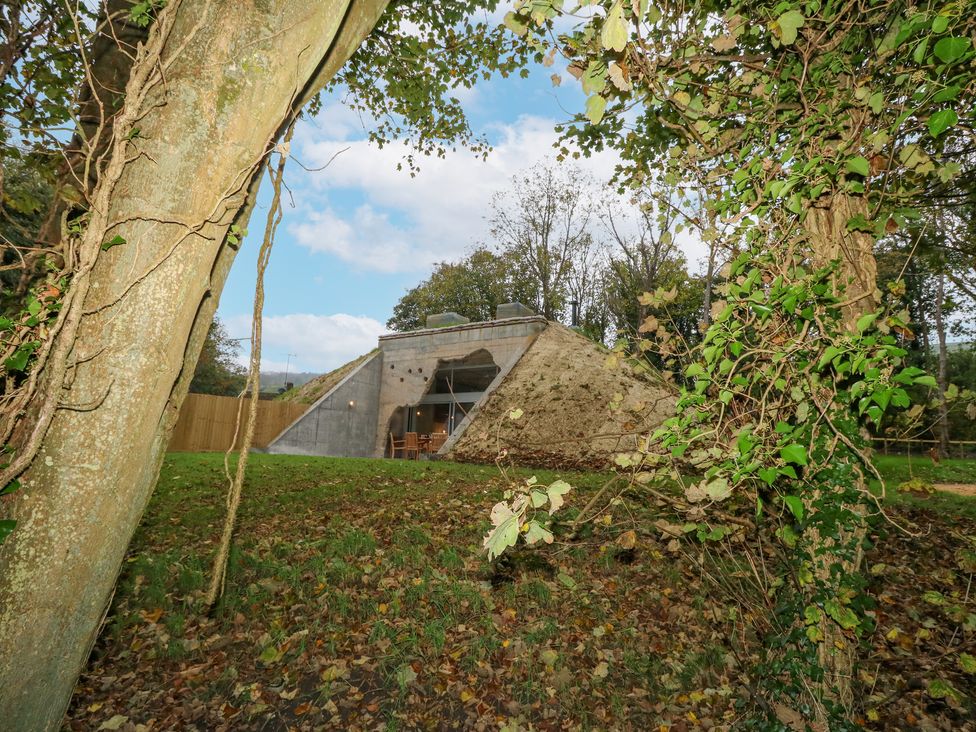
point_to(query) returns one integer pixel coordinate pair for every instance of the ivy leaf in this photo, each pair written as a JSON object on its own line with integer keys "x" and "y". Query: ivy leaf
{"x": 614, "y": 35}
{"x": 876, "y": 102}
{"x": 947, "y": 94}
{"x": 859, "y": 165}
{"x": 951, "y": 49}
{"x": 768, "y": 475}
{"x": 595, "y": 107}
{"x": 795, "y": 505}
{"x": 939, "y": 689}
{"x": 795, "y": 453}
{"x": 11, "y": 487}
{"x": 788, "y": 23}
{"x": 841, "y": 614}
{"x": 866, "y": 321}
{"x": 113, "y": 242}
{"x": 18, "y": 361}
{"x": 941, "y": 121}
{"x": 967, "y": 663}
{"x": 6, "y": 526}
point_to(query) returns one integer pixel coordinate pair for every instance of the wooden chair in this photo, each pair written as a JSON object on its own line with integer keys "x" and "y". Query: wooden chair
{"x": 411, "y": 444}
{"x": 396, "y": 445}
{"x": 437, "y": 441}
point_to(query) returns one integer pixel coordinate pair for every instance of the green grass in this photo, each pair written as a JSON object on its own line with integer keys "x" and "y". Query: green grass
{"x": 377, "y": 565}
{"x": 898, "y": 469}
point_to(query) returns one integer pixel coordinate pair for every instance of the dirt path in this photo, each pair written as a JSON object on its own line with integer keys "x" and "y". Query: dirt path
{"x": 960, "y": 489}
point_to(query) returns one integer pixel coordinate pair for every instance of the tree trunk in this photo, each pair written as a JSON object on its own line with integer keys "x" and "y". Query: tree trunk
{"x": 942, "y": 426}
{"x": 230, "y": 76}
{"x": 856, "y": 284}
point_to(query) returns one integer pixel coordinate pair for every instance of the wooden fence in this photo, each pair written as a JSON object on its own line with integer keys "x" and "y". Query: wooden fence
{"x": 206, "y": 422}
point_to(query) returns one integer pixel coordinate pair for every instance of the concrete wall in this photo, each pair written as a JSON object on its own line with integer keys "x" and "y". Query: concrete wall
{"x": 331, "y": 426}
{"x": 410, "y": 359}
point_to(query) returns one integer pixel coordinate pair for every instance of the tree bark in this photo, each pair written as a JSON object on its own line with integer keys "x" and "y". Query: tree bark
{"x": 230, "y": 76}
{"x": 942, "y": 379}
{"x": 856, "y": 284}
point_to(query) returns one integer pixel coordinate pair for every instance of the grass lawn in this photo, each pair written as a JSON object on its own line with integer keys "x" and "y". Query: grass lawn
{"x": 358, "y": 597}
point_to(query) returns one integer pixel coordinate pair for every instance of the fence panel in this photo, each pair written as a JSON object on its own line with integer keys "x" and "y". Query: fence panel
{"x": 207, "y": 422}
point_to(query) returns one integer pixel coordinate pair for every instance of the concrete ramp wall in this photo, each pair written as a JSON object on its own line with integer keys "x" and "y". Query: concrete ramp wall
{"x": 343, "y": 421}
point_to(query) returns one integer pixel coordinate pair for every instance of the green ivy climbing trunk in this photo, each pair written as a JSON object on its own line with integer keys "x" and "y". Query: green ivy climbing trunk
{"x": 229, "y": 76}
{"x": 830, "y": 240}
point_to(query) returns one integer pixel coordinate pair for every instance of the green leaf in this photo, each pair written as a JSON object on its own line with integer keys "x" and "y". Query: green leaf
{"x": 502, "y": 536}
{"x": 566, "y": 580}
{"x": 967, "y": 663}
{"x": 405, "y": 675}
{"x": 939, "y": 24}
{"x": 718, "y": 489}
{"x": 795, "y": 453}
{"x": 876, "y": 102}
{"x": 788, "y": 23}
{"x": 941, "y": 121}
{"x": 951, "y": 49}
{"x": 795, "y": 505}
{"x": 596, "y": 105}
{"x": 934, "y": 597}
{"x": 595, "y": 77}
{"x": 926, "y": 381}
{"x": 537, "y": 532}
{"x": 829, "y": 354}
{"x": 947, "y": 94}
{"x": 841, "y": 614}
{"x": 614, "y": 35}
{"x": 538, "y": 498}
{"x": 11, "y": 487}
{"x": 113, "y": 242}
{"x": 270, "y": 655}
{"x": 866, "y": 321}
{"x": 939, "y": 689}
{"x": 18, "y": 361}
{"x": 556, "y": 491}
{"x": 516, "y": 24}
{"x": 859, "y": 165}
{"x": 768, "y": 475}
{"x": 6, "y": 526}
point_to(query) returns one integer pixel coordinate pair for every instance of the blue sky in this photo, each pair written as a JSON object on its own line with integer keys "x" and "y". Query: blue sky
{"x": 361, "y": 233}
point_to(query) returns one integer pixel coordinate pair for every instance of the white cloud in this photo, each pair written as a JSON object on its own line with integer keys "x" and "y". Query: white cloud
{"x": 367, "y": 239}
{"x": 318, "y": 342}
{"x": 443, "y": 208}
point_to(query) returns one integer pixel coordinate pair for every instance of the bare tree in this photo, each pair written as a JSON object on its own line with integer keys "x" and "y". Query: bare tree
{"x": 543, "y": 223}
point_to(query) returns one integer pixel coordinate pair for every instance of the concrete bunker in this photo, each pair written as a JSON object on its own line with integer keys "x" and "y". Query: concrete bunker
{"x": 457, "y": 384}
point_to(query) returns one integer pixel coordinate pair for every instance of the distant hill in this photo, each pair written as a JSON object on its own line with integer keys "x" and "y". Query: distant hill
{"x": 274, "y": 380}
{"x": 310, "y": 392}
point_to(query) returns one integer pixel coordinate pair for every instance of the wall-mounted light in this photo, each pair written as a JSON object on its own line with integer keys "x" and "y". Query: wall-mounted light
{"x": 352, "y": 403}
